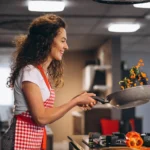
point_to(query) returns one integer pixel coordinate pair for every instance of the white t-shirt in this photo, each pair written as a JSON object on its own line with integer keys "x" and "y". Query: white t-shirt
{"x": 32, "y": 74}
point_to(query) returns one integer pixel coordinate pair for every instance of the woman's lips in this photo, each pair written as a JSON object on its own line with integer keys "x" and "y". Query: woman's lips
{"x": 62, "y": 52}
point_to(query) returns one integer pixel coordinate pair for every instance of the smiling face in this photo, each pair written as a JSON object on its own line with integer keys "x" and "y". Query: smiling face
{"x": 59, "y": 45}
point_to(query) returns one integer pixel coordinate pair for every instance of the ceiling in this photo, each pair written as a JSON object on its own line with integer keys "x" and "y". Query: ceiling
{"x": 87, "y": 23}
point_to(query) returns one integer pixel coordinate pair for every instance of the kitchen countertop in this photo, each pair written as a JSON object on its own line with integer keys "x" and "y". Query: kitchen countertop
{"x": 78, "y": 140}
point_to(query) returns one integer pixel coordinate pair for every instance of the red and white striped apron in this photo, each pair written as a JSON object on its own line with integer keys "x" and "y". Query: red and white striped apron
{"x": 28, "y": 135}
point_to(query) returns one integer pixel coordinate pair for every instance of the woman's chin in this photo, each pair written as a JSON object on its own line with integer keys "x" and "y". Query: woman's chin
{"x": 58, "y": 58}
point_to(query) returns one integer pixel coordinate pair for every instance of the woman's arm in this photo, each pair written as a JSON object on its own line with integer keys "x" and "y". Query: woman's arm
{"x": 42, "y": 115}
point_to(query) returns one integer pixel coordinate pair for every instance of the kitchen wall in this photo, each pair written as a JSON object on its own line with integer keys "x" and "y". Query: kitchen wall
{"x": 131, "y": 59}
{"x": 74, "y": 64}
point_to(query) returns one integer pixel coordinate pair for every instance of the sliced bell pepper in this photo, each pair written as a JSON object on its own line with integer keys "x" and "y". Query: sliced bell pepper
{"x": 134, "y": 140}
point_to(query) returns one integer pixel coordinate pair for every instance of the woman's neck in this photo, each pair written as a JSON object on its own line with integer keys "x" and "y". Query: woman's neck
{"x": 46, "y": 64}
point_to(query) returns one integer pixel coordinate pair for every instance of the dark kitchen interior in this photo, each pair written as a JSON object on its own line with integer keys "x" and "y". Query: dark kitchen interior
{"x": 96, "y": 61}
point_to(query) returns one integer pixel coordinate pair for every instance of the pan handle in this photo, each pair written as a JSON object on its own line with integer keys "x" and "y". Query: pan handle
{"x": 101, "y": 100}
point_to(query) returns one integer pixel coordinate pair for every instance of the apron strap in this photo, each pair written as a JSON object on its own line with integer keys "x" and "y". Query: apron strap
{"x": 44, "y": 76}
{"x": 44, "y": 141}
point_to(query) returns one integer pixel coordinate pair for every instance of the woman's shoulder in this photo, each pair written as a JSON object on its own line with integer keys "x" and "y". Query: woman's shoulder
{"x": 30, "y": 72}
{"x": 30, "y": 69}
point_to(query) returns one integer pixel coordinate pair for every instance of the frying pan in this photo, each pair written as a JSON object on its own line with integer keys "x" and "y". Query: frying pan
{"x": 127, "y": 98}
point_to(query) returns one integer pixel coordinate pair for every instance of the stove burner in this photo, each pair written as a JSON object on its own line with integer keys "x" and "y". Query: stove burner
{"x": 96, "y": 140}
{"x": 146, "y": 139}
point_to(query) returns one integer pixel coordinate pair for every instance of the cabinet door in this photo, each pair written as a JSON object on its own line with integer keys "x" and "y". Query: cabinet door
{"x": 92, "y": 119}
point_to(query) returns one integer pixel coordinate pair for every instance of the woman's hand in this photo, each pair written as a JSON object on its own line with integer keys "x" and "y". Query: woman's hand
{"x": 87, "y": 106}
{"x": 85, "y": 100}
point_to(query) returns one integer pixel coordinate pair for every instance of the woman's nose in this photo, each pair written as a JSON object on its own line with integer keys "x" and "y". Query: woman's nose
{"x": 66, "y": 46}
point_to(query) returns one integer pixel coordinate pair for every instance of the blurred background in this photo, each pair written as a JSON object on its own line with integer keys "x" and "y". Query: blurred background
{"x": 98, "y": 58}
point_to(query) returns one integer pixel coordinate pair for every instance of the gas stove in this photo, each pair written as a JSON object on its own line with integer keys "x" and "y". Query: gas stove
{"x": 96, "y": 140}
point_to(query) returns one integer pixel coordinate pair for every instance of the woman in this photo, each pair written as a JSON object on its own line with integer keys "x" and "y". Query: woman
{"x": 36, "y": 70}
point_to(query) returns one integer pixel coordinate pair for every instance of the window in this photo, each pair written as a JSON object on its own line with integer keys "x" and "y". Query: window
{"x": 6, "y": 94}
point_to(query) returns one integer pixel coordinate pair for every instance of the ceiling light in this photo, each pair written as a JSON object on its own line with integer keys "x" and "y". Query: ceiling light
{"x": 123, "y": 27}
{"x": 46, "y": 6}
{"x": 142, "y": 5}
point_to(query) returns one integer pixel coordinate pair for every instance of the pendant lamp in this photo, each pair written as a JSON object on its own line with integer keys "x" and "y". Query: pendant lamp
{"x": 122, "y": 1}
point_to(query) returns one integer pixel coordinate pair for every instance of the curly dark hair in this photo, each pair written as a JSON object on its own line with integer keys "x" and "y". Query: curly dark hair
{"x": 35, "y": 47}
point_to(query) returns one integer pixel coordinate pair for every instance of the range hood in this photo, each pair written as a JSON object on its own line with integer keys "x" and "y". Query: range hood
{"x": 122, "y": 1}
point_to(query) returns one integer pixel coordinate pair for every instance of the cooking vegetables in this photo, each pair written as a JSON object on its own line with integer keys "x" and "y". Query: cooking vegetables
{"x": 134, "y": 140}
{"x": 136, "y": 77}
